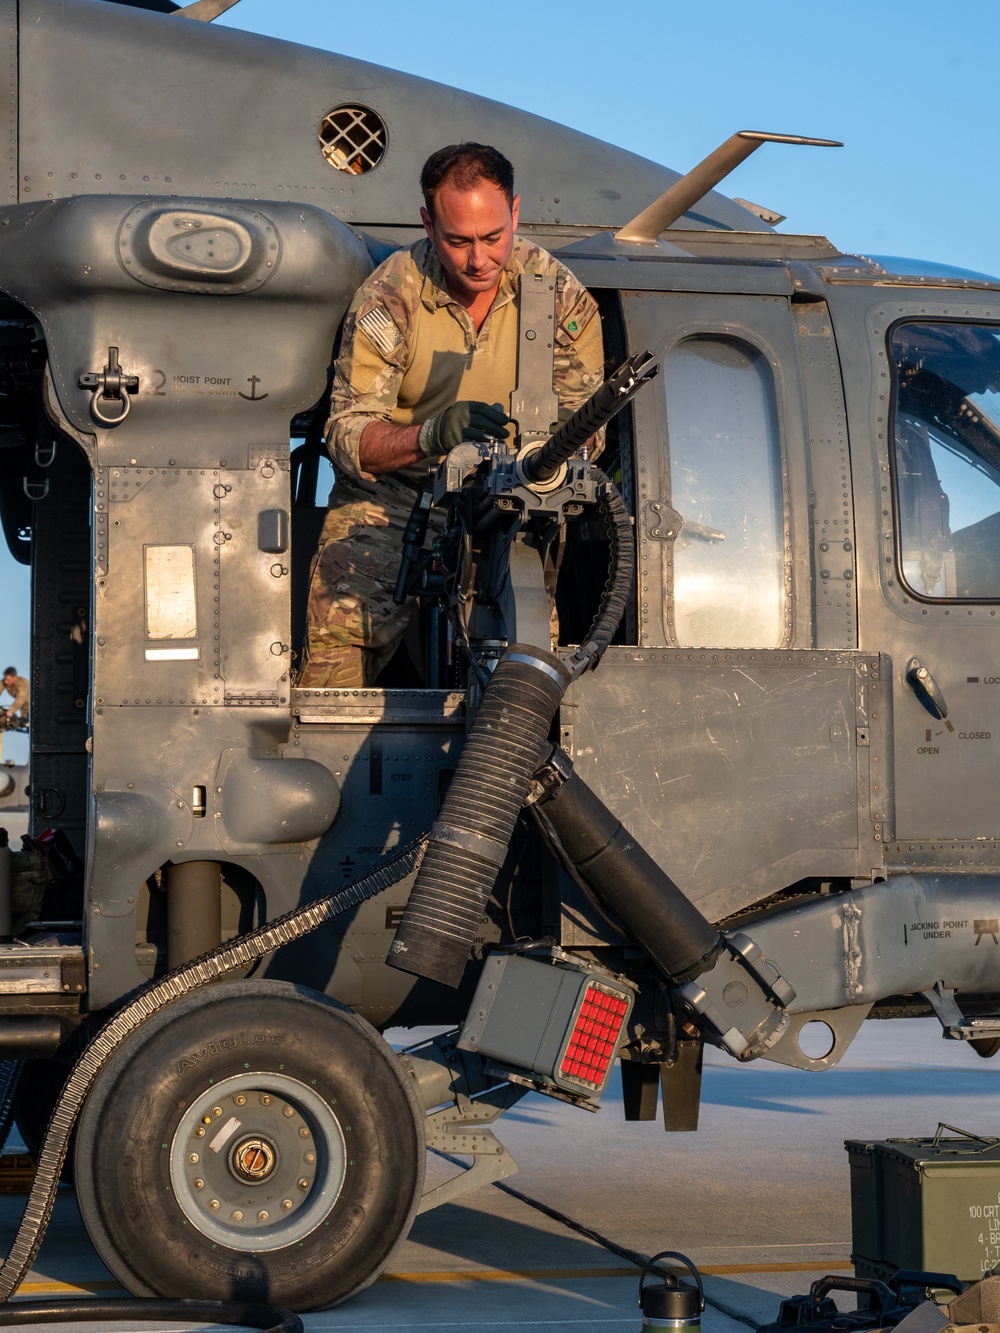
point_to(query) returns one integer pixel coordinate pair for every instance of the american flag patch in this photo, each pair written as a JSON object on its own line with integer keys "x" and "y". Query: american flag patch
{"x": 379, "y": 326}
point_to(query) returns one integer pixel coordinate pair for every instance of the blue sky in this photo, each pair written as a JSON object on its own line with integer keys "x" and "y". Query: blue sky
{"x": 908, "y": 85}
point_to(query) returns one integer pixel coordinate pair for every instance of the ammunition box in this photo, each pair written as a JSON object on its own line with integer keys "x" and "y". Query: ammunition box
{"x": 931, "y": 1203}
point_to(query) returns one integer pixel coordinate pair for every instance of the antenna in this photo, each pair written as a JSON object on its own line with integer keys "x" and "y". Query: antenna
{"x": 206, "y": 10}
{"x": 675, "y": 202}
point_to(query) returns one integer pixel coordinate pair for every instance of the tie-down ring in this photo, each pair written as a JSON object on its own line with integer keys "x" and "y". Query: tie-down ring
{"x": 96, "y": 398}
{"x": 110, "y": 385}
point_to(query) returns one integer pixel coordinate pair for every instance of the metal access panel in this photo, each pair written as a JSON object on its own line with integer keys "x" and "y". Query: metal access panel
{"x": 739, "y": 772}
{"x": 192, "y": 586}
{"x": 927, "y": 1203}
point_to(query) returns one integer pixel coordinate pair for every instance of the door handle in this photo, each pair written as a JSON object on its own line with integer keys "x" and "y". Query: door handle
{"x": 926, "y": 688}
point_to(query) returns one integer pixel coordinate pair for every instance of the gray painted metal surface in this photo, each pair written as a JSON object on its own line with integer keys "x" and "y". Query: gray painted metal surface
{"x": 743, "y": 771}
{"x": 251, "y": 111}
{"x": 792, "y": 782}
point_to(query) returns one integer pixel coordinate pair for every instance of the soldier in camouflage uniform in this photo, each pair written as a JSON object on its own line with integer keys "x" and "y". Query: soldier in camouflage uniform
{"x": 18, "y": 689}
{"x": 429, "y": 355}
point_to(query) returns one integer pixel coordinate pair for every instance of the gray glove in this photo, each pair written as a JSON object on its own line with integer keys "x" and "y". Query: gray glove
{"x": 462, "y": 423}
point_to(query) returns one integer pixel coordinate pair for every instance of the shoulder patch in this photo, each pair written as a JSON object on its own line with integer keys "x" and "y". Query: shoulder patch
{"x": 381, "y": 329}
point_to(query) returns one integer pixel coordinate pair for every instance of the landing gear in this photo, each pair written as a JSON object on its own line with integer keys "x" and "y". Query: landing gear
{"x": 254, "y": 1141}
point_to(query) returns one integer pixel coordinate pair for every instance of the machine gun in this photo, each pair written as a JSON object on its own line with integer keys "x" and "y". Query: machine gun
{"x": 506, "y": 507}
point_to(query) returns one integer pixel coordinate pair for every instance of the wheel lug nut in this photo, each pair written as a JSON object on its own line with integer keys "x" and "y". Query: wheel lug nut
{"x": 200, "y": 1132}
{"x": 193, "y": 1157}
{"x": 213, "y": 1203}
{"x": 262, "y": 1216}
{"x": 289, "y": 1110}
{"x": 241, "y": 1100}
{"x": 265, "y": 1099}
{"x": 303, "y": 1184}
{"x": 286, "y": 1204}
{"x": 303, "y": 1132}
{"x": 310, "y": 1157}
{"x": 217, "y": 1110}
{"x": 237, "y": 1216}
{"x": 206, "y": 1120}
{"x": 199, "y": 1184}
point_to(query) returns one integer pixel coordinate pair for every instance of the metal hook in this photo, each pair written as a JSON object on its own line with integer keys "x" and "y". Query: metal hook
{"x": 36, "y": 490}
{"x": 45, "y": 456}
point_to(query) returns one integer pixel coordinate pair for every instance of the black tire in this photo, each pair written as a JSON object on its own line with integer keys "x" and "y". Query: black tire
{"x": 254, "y": 1222}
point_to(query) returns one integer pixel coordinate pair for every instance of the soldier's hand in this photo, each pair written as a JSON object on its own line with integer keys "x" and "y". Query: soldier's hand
{"x": 462, "y": 423}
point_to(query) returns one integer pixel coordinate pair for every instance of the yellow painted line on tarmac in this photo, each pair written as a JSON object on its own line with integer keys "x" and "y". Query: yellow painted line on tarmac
{"x": 563, "y": 1274}
{"x": 478, "y": 1275}
{"x": 73, "y": 1288}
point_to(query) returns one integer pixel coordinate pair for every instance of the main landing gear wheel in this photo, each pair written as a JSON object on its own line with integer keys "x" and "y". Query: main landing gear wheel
{"x": 254, "y": 1141}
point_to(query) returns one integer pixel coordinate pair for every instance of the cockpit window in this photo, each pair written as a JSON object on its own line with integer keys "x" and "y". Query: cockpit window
{"x": 947, "y": 456}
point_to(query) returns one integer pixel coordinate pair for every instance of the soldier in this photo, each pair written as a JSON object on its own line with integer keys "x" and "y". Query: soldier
{"x": 429, "y": 354}
{"x": 17, "y": 687}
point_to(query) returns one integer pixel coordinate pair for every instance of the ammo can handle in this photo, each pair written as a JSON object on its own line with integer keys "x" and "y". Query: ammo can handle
{"x": 822, "y": 1286}
{"x": 965, "y": 1133}
{"x": 916, "y": 1277}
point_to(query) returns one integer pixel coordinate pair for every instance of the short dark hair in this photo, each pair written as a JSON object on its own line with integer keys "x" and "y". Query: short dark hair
{"x": 465, "y": 164}
{"x": 10, "y": 671}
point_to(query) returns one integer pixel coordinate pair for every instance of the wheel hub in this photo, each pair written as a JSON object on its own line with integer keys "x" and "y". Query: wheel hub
{"x": 257, "y": 1161}
{"x": 254, "y": 1159}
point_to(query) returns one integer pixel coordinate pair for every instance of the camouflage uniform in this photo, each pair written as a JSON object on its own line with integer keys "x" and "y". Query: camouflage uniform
{"x": 19, "y": 694}
{"x": 409, "y": 351}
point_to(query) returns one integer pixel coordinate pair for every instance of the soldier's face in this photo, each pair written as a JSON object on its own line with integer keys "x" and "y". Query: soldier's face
{"x": 473, "y": 234}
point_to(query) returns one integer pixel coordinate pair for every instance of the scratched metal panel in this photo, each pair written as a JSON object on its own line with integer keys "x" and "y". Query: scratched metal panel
{"x": 118, "y": 99}
{"x": 149, "y": 508}
{"x": 8, "y": 101}
{"x": 738, "y": 772}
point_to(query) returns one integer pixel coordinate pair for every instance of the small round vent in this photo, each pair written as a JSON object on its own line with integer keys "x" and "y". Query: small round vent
{"x": 353, "y": 139}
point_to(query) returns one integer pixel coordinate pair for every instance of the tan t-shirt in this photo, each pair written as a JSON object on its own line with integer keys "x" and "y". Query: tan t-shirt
{"x": 409, "y": 350}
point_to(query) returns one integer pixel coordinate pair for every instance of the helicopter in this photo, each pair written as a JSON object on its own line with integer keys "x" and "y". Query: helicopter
{"x": 745, "y": 799}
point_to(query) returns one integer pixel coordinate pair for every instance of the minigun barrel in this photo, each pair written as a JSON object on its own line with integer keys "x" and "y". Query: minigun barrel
{"x": 605, "y": 403}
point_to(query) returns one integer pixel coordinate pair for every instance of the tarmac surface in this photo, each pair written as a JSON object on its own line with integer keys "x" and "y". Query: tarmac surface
{"x": 759, "y": 1198}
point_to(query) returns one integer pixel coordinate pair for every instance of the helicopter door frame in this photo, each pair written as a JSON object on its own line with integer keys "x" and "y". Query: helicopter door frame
{"x": 742, "y": 768}
{"x": 945, "y": 812}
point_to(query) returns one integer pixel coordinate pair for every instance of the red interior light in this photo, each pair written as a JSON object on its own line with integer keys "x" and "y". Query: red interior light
{"x": 592, "y": 1042}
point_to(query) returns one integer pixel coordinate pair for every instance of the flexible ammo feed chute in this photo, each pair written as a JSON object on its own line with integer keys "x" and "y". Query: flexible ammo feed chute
{"x": 469, "y": 841}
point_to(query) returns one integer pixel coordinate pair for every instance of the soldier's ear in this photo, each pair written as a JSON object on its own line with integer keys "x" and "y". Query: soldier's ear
{"x": 428, "y": 222}
{"x": 515, "y": 210}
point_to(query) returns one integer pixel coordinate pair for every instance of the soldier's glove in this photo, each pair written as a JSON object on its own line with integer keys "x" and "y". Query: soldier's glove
{"x": 462, "y": 423}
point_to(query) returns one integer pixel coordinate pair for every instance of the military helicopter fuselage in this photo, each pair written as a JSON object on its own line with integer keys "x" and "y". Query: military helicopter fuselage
{"x": 795, "y": 716}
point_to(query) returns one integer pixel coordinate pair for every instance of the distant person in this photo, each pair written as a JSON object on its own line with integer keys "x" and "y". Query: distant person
{"x": 18, "y": 689}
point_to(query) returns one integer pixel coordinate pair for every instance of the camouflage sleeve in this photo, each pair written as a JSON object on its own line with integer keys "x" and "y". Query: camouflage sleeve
{"x": 367, "y": 373}
{"x": 579, "y": 351}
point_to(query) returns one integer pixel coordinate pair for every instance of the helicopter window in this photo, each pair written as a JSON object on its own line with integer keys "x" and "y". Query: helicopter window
{"x": 947, "y": 458}
{"x": 725, "y": 484}
{"x": 353, "y": 139}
